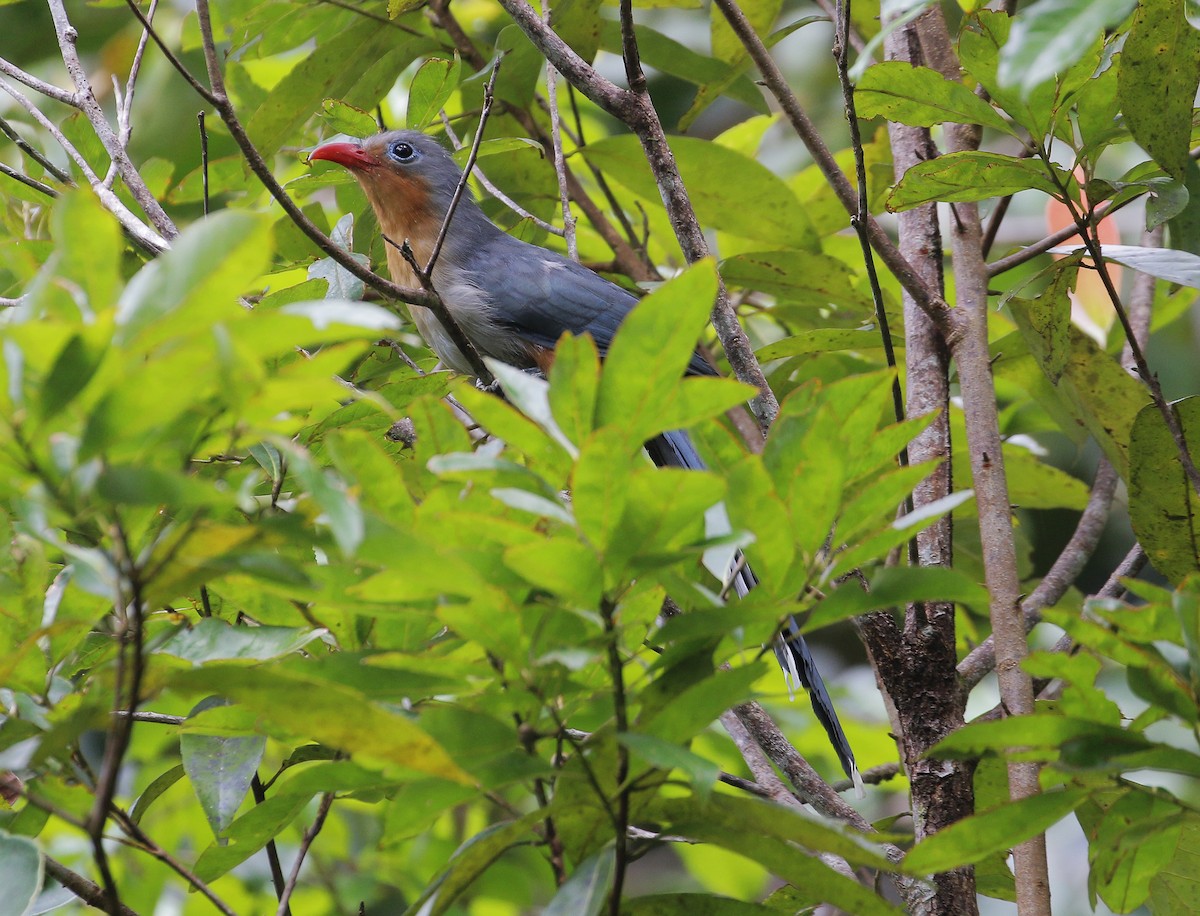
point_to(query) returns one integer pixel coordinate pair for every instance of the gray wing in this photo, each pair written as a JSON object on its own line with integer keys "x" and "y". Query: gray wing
{"x": 539, "y": 294}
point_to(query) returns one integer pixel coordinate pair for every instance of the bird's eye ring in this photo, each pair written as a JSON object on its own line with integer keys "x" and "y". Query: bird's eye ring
{"x": 403, "y": 152}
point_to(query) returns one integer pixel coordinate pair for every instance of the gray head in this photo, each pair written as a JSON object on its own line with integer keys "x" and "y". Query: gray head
{"x": 409, "y": 178}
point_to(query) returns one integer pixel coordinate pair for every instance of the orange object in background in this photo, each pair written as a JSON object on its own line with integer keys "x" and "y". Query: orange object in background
{"x": 1091, "y": 310}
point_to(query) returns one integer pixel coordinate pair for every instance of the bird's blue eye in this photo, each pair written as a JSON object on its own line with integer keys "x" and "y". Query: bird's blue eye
{"x": 403, "y": 152}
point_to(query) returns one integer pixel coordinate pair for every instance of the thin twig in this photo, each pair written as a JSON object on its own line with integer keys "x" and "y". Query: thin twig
{"x": 88, "y": 891}
{"x": 33, "y": 152}
{"x": 39, "y": 86}
{"x": 203, "y": 158}
{"x": 67, "y": 37}
{"x": 305, "y": 843}
{"x": 862, "y": 215}
{"x": 1029, "y": 252}
{"x": 636, "y": 110}
{"x": 260, "y": 796}
{"x": 616, "y": 671}
{"x": 142, "y": 234}
{"x": 556, "y": 142}
{"x": 198, "y": 87}
{"x": 489, "y": 95}
{"x": 929, "y": 300}
{"x": 27, "y": 181}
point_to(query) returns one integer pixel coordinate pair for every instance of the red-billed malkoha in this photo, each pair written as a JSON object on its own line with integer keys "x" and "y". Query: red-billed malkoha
{"x": 513, "y": 301}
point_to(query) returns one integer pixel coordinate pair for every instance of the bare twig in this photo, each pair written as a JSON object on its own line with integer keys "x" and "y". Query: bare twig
{"x": 929, "y": 300}
{"x": 616, "y": 671}
{"x": 146, "y": 844}
{"x": 27, "y": 181}
{"x": 260, "y": 796}
{"x": 489, "y": 95}
{"x": 203, "y": 158}
{"x": 1029, "y": 252}
{"x": 145, "y": 236}
{"x": 1066, "y": 569}
{"x": 87, "y": 891}
{"x": 67, "y": 37}
{"x": 305, "y": 843}
{"x": 33, "y": 152}
{"x": 494, "y": 191}
{"x": 636, "y": 110}
{"x": 862, "y": 215}
{"x": 39, "y": 86}
{"x": 560, "y": 171}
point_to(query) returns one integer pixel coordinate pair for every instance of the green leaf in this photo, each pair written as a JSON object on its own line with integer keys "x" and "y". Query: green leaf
{"x": 587, "y": 890}
{"x": 346, "y": 119}
{"x": 1093, "y": 390}
{"x": 574, "y": 383}
{"x": 430, "y": 89}
{"x": 471, "y": 859}
{"x": 1050, "y": 319}
{"x": 824, "y": 340}
{"x": 971, "y": 176}
{"x": 920, "y": 97}
{"x": 339, "y": 505}
{"x": 74, "y": 367}
{"x": 803, "y": 278}
{"x": 529, "y": 394}
{"x": 897, "y": 586}
{"x": 248, "y": 834}
{"x": 560, "y": 566}
{"x": 757, "y": 206}
{"x": 1176, "y": 889}
{"x": 1133, "y": 843}
{"x": 216, "y": 640}
{"x": 754, "y": 829}
{"x": 89, "y": 244}
{"x": 666, "y": 755}
{"x": 1165, "y": 263}
{"x": 21, "y": 868}
{"x": 310, "y": 707}
{"x": 1051, "y": 35}
{"x": 1163, "y": 504}
{"x": 220, "y": 768}
{"x": 154, "y": 791}
{"x": 714, "y": 77}
{"x": 696, "y": 707}
{"x": 1034, "y": 731}
{"x": 330, "y": 70}
{"x": 1159, "y": 73}
{"x": 197, "y": 282}
{"x": 651, "y": 350}
{"x": 974, "y": 838}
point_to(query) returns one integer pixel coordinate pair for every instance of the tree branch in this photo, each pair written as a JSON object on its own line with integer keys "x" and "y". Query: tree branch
{"x": 929, "y": 301}
{"x": 67, "y": 37}
{"x": 635, "y": 109}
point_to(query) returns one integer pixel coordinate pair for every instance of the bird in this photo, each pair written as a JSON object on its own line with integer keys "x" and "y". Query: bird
{"x": 513, "y": 300}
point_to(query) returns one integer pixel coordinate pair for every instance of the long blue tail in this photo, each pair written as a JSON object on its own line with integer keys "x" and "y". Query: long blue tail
{"x": 675, "y": 449}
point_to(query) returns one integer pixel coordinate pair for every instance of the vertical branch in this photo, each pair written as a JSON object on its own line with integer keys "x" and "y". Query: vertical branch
{"x": 971, "y": 355}
{"x": 616, "y": 671}
{"x": 557, "y": 143}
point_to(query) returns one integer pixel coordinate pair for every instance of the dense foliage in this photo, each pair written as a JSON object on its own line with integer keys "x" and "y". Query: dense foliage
{"x": 278, "y": 592}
